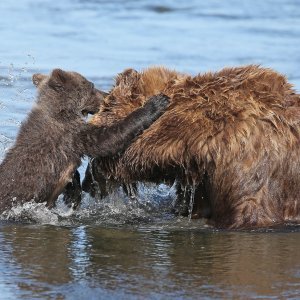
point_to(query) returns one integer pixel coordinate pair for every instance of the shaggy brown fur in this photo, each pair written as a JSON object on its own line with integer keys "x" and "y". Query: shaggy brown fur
{"x": 53, "y": 139}
{"x": 232, "y": 135}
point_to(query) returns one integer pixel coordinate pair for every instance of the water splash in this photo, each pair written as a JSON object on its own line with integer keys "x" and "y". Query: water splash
{"x": 16, "y": 97}
{"x": 5, "y": 143}
{"x": 14, "y": 76}
{"x": 30, "y": 212}
{"x": 115, "y": 209}
{"x": 192, "y": 200}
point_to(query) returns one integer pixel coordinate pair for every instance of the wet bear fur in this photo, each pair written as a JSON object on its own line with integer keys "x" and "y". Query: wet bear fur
{"x": 230, "y": 139}
{"x": 55, "y": 136}
{"x": 42, "y": 159}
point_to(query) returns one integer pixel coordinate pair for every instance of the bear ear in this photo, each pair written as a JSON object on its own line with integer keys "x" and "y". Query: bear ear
{"x": 127, "y": 77}
{"x": 58, "y": 79}
{"x": 38, "y": 78}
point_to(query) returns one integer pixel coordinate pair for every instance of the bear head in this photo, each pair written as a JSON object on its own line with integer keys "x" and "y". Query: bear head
{"x": 131, "y": 91}
{"x": 67, "y": 95}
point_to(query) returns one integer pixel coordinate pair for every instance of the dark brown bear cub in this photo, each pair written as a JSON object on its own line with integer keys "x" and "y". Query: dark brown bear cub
{"x": 54, "y": 137}
{"x": 231, "y": 138}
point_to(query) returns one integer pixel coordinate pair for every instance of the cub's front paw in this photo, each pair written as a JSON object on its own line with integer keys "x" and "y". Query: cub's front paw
{"x": 158, "y": 103}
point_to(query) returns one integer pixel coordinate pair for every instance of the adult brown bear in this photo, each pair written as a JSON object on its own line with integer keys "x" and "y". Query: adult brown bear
{"x": 54, "y": 137}
{"x": 231, "y": 136}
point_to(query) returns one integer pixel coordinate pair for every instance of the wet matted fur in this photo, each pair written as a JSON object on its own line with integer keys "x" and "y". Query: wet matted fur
{"x": 232, "y": 136}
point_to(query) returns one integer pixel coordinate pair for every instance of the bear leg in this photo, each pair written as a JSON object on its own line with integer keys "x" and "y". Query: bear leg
{"x": 72, "y": 192}
{"x": 248, "y": 213}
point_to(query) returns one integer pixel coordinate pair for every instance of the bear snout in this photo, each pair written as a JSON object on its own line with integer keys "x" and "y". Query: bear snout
{"x": 94, "y": 104}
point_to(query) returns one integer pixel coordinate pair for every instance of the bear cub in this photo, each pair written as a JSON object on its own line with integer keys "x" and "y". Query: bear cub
{"x": 55, "y": 136}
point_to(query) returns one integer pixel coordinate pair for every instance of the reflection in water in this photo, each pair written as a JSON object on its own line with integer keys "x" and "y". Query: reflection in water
{"x": 48, "y": 260}
{"x": 37, "y": 257}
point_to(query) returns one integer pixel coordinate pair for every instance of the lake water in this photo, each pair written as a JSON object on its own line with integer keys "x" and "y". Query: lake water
{"x": 120, "y": 248}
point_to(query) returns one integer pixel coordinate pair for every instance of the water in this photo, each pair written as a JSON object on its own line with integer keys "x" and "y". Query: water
{"x": 144, "y": 262}
{"x": 135, "y": 248}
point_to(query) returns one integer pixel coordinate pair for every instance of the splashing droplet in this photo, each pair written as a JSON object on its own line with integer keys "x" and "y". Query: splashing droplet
{"x": 192, "y": 200}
